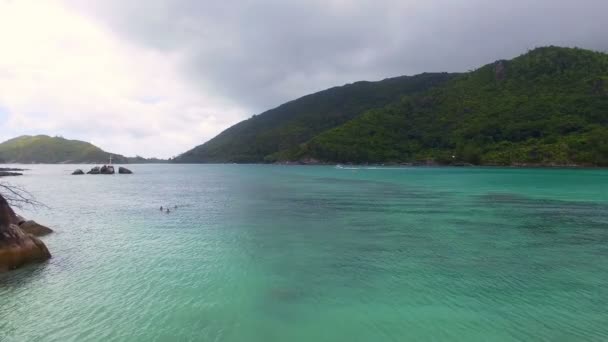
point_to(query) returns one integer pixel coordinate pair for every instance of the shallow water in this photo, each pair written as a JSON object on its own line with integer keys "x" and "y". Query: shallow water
{"x": 287, "y": 253}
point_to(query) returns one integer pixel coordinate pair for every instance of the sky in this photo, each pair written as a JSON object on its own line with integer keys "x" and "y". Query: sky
{"x": 158, "y": 77}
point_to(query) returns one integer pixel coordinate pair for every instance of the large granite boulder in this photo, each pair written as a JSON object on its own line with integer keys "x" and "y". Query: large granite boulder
{"x": 124, "y": 171}
{"x": 18, "y": 219}
{"x": 17, "y": 248}
{"x": 94, "y": 171}
{"x": 34, "y": 228}
{"x": 78, "y": 172}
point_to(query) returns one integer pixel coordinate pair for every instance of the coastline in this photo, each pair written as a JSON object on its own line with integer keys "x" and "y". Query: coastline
{"x": 458, "y": 165}
{"x": 321, "y": 163}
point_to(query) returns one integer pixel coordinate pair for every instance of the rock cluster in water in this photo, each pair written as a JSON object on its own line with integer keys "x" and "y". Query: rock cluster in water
{"x": 103, "y": 170}
{"x": 19, "y": 244}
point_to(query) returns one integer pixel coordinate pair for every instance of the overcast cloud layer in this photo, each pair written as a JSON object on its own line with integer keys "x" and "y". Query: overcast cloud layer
{"x": 156, "y": 77}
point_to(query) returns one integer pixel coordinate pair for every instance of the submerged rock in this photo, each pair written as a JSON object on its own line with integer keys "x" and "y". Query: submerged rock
{"x": 17, "y": 248}
{"x": 34, "y": 228}
{"x": 124, "y": 170}
{"x": 78, "y": 172}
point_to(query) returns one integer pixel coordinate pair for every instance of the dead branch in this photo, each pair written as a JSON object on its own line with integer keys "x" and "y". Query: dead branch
{"x": 18, "y": 197}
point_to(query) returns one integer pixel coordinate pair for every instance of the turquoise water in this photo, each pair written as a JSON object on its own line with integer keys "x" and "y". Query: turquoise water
{"x": 286, "y": 253}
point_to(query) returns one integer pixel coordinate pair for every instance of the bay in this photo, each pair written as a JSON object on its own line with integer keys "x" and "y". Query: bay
{"x": 314, "y": 253}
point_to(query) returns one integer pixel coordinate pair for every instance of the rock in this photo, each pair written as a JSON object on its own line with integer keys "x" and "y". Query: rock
{"x": 124, "y": 170}
{"x": 18, "y": 220}
{"x": 34, "y": 228}
{"x": 94, "y": 171}
{"x": 6, "y": 173}
{"x": 78, "y": 172}
{"x": 107, "y": 170}
{"x": 16, "y": 247}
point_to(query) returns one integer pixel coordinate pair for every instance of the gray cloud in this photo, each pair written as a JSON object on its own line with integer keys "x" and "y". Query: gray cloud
{"x": 258, "y": 54}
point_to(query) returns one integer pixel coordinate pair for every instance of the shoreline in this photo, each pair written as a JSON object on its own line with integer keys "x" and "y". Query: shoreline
{"x": 318, "y": 163}
{"x": 422, "y": 165}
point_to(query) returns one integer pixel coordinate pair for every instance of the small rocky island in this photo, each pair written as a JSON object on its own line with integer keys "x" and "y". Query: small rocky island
{"x": 10, "y": 171}
{"x": 103, "y": 170}
{"x": 107, "y": 169}
{"x": 19, "y": 243}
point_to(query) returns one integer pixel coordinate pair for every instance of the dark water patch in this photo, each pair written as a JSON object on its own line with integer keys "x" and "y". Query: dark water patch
{"x": 572, "y": 222}
{"x": 286, "y": 294}
{"x": 555, "y": 204}
{"x": 344, "y": 181}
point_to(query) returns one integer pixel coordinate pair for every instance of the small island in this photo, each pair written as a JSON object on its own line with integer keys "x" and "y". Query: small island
{"x": 10, "y": 171}
{"x": 106, "y": 169}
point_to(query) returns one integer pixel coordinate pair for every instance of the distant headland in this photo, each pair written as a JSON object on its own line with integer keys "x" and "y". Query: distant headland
{"x": 43, "y": 149}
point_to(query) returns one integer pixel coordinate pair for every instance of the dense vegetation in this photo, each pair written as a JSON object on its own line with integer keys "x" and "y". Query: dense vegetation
{"x": 44, "y": 149}
{"x": 546, "y": 107}
{"x": 295, "y": 122}
{"x": 549, "y": 106}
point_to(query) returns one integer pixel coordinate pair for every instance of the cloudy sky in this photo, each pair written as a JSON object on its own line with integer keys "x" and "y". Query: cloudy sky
{"x": 157, "y": 77}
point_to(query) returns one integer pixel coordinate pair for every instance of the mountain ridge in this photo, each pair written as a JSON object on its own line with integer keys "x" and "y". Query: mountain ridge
{"x": 548, "y": 106}
{"x": 299, "y": 120}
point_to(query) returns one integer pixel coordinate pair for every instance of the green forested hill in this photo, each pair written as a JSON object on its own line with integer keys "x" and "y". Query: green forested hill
{"x": 44, "y": 149}
{"x": 549, "y": 106}
{"x": 546, "y": 107}
{"x": 296, "y": 122}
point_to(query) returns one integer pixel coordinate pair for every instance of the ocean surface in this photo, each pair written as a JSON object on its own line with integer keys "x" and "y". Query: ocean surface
{"x": 311, "y": 253}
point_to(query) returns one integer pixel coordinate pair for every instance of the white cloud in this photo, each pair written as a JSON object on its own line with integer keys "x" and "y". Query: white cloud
{"x": 62, "y": 73}
{"x": 157, "y": 77}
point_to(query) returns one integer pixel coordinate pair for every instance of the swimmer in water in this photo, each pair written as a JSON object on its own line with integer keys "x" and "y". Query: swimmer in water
{"x": 161, "y": 208}
{"x": 168, "y": 211}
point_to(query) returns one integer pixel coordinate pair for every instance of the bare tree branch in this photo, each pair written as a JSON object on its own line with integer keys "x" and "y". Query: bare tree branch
{"x": 18, "y": 197}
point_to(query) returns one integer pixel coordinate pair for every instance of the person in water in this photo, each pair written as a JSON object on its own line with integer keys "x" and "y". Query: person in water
{"x": 161, "y": 208}
{"x": 168, "y": 211}
{"x": 175, "y": 206}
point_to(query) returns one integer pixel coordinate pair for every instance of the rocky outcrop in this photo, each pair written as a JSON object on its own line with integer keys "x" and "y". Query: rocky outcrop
{"x": 34, "y": 228}
{"x": 18, "y": 219}
{"x": 6, "y": 174}
{"x": 78, "y": 172}
{"x": 107, "y": 170}
{"x": 94, "y": 171}
{"x": 17, "y": 248}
